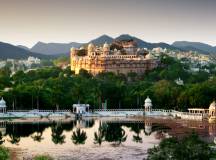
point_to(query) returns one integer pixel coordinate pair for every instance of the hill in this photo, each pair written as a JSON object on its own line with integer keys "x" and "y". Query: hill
{"x": 102, "y": 39}
{"x": 195, "y": 46}
{"x": 54, "y": 48}
{"x": 10, "y": 51}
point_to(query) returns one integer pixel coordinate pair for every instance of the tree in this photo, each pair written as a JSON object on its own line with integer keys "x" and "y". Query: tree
{"x": 188, "y": 148}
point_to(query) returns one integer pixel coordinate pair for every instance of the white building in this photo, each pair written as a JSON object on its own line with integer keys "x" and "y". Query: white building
{"x": 148, "y": 105}
{"x": 2, "y": 106}
{"x": 81, "y": 108}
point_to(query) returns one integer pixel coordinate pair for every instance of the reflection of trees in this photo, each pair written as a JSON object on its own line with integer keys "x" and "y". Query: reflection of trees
{"x": 99, "y": 136}
{"x": 14, "y": 139}
{"x": 37, "y": 137}
{"x": 136, "y": 129}
{"x": 79, "y": 137}
{"x": 57, "y": 132}
{"x": 115, "y": 133}
{"x": 1, "y": 139}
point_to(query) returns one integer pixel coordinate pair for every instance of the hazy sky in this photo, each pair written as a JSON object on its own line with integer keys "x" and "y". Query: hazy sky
{"x": 29, "y": 21}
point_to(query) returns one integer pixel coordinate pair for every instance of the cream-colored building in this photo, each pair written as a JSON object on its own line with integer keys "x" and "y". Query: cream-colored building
{"x": 103, "y": 59}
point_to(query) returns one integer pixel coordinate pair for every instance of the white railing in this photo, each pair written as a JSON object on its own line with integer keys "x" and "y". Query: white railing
{"x": 118, "y": 110}
{"x": 34, "y": 111}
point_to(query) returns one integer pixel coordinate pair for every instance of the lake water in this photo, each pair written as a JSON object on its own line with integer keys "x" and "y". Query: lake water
{"x": 97, "y": 139}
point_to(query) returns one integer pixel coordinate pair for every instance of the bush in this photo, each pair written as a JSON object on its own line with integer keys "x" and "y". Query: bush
{"x": 188, "y": 148}
{"x": 43, "y": 157}
{"x": 4, "y": 153}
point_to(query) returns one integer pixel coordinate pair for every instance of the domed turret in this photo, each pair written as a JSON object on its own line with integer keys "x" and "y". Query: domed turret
{"x": 150, "y": 56}
{"x": 3, "y": 105}
{"x": 106, "y": 48}
{"x": 212, "y": 112}
{"x": 148, "y": 104}
{"x": 73, "y": 51}
{"x": 91, "y": 49}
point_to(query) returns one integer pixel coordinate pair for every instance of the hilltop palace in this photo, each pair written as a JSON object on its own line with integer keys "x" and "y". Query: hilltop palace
{"x": 125, "y": 60}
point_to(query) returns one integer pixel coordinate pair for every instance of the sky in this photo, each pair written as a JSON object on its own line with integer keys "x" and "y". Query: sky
{"x": 26, "y": 22}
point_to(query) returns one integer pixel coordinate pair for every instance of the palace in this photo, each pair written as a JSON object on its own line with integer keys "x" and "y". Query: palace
{"x": 126, "y": 59}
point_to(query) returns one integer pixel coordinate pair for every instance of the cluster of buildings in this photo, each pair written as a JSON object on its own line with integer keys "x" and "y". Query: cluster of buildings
{"x": 196, "y": 61}
{"x": 125, "y": 60}
{"x": 24, "y": 64}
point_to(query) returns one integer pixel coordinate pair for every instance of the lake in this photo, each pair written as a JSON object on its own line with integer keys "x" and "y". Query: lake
{"x": 99, "y": 138}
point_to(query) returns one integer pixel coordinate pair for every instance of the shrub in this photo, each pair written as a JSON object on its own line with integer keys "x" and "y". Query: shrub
{"x": 43, "y": 157}
{"x": 4, "y": 153}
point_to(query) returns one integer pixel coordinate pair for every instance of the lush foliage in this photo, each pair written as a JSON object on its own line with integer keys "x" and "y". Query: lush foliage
{"x": 188, "y": 148}
{"x": 54, "y": 88}
{"x": 4, "y": 153}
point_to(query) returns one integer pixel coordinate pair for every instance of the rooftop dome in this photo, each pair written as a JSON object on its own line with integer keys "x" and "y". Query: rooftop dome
{"x": 82, "y": 48}
{"x": 212, "y": 106}
{"x": 106, "y": 45}
{"x": 149, "y": 56}
{"x": 2, "y": 103}
{"x": 91, "y": 46}
{"x": 72, "y": 49}
{"x": 148, "y": 100}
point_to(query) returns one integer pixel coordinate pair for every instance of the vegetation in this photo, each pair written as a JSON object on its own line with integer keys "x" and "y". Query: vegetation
{"x": 188, "y": 148}
{"x": 54, "y": 88}
{"x": 42, "y": 157}
{"x": 4, "y": 153}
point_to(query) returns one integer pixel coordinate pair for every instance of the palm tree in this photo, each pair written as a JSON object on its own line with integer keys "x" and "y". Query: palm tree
{"x": 79, "y": 137}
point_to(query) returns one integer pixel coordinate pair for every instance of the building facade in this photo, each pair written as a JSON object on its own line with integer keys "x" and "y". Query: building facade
{"x": 102, "y": 59}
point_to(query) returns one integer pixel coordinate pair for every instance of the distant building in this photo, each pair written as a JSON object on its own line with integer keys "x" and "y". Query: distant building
{"x": 179, "y": 82}
{"x": 102, "y": 59}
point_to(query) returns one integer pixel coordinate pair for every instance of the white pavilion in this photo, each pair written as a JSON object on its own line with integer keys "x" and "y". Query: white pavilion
{"x": 148, "y": 105}
{"x": 81, "y": 108}
{"x": 3, "y": 106}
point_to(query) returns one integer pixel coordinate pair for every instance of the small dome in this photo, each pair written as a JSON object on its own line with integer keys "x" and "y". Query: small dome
{"x": 149, "y": 56}
{"x": 82, "y": 48}
{"x": 212, "y": 106}
{"x": 2, "y": 103}
{"x": 91, "y": 46}
{"x": 72, "y": 49}
{"x": 106, "y": 45}
{"x": 148, "y": 100}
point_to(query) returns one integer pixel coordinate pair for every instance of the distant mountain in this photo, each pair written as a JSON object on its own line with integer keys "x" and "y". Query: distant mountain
{"x": 23, "y": 47}
{"x": 101, "y": 40}
{"x": 10, "y": 51}
{"x": 143, "y": 44}
{"x": 195, "y": 46}
{"x": 54, "y": 48}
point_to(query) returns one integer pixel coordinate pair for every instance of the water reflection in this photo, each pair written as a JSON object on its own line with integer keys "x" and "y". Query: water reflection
{"x": 57, "y": 134}
{"x": 99, "y": 136}
{"x": 98, "y": 133}
{"x": 79, "y": 137}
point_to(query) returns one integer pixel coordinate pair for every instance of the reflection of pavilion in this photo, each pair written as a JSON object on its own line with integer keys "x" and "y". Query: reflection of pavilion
{"x": 148, "y": 127}
{"x": 3, "y": 127}
{"x": 84, "y": 123}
